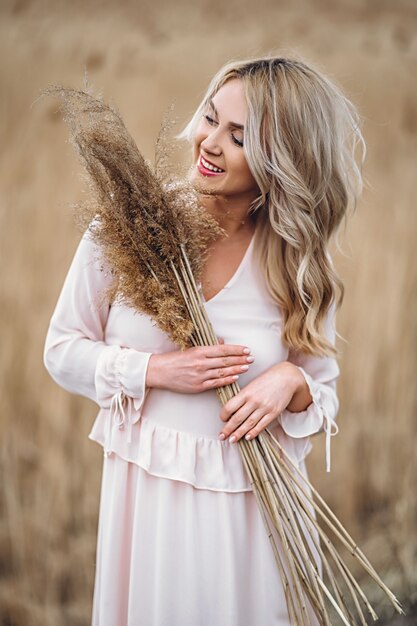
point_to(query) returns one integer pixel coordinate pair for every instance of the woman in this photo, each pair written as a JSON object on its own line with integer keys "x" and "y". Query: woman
{"x": 181, "y": 540}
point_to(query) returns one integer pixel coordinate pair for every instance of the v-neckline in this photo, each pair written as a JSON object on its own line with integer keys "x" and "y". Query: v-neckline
{"x": 233, "y": 278}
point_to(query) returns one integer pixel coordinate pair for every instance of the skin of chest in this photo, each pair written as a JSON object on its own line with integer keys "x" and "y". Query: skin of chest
{"x": 223, "y": 261}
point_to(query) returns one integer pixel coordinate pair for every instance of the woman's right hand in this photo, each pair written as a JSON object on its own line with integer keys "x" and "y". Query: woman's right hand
{"x": 199, "y": 368}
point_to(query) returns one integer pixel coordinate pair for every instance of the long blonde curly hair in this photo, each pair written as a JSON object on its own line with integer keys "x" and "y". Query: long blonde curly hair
{"x": 301, "y": 134}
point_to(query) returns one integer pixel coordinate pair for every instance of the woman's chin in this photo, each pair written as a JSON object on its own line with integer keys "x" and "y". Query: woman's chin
{"x": 201, "y": 183}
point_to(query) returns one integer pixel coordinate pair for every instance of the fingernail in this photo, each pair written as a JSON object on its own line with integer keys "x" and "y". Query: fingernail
{"x": 232, "y": 439}
{"x": 246, "y": 351}
{"x": 248, "y": 436}
{"x": 235, "y": 377}
{"x": 222, "y": 436}
{"x": 250, "y": 359}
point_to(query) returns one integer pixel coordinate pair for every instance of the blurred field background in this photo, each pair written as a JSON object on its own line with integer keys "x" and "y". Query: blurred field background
{"x": 143, "y": 56}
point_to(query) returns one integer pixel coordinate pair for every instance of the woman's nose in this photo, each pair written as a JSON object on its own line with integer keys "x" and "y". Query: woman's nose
{"x": 211, "y": 143}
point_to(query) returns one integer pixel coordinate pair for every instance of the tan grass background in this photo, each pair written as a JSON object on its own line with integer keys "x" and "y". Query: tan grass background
{"x": 144, "y": 56}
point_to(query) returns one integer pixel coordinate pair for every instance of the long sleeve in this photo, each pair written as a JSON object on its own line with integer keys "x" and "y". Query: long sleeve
{"x": 320, "y": 374}
{"x": 75, "y": 352}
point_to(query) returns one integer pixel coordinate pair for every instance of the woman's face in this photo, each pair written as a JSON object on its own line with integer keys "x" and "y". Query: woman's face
{"x": 218, "y": 144}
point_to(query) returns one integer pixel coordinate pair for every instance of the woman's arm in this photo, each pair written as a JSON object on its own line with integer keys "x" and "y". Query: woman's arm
{"x": 302, "y": 397}
{"x": 320, "y": 375}
{"x": 75, "y": 353}
{"x": 306, "y": 383}
{"x": 79, "y": 360}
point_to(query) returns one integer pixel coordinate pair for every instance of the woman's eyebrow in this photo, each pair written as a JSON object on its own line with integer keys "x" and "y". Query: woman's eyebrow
{"x": 233, "y": 124}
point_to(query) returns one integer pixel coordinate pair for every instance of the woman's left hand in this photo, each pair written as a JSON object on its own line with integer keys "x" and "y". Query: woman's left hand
{"x": 262, "y": 400}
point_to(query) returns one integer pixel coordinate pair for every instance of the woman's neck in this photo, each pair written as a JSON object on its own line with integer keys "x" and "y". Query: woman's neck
{"x": 232, "y": 215}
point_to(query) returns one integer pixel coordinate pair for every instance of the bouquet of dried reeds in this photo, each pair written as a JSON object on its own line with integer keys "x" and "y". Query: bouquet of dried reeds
{"x": 154, "y": 234}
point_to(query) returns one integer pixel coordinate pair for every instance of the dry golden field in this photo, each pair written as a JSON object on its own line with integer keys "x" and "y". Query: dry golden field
{"x": 143, "y": 56}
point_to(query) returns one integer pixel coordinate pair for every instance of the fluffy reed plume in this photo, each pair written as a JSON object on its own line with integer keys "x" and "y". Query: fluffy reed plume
{"x": 141, "y": 220}
{"x": 155, "y": 239}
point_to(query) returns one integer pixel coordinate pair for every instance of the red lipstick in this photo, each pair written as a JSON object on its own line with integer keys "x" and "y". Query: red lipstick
{"x": 204, "y": 170}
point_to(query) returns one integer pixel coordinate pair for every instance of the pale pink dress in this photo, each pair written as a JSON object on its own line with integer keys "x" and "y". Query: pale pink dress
{"x": 181, "y": 541}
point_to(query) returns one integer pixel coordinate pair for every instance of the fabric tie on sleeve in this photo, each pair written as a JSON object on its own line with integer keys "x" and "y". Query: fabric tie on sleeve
{"x": 328, "y": 423}
{"x": 118, "y": 417}
{"x": 317, "y": 417}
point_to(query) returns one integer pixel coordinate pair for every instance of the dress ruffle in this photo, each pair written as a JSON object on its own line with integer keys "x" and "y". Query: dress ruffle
{"x": 200, "y": 460}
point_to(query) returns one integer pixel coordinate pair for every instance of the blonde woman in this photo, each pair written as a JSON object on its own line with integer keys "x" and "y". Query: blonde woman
{"x": 181, "y": 541}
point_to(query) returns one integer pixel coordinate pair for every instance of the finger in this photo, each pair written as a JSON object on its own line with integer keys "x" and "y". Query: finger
{"x": 252, "y": 426}
{"x": 260, "y": 426}
{"x": 237, "y": 418}
{"x": 221, "y": 339}
{"x": 224, "y": 372}
{"x": 232, "y": 361}
{"x": 240, "y": 428}
{"x": 213, "y": 383}
{"x": 226, "y": 349}
{"x": 231, "y": 406}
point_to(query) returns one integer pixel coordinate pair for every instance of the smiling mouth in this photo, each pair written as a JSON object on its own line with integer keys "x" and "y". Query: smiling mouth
{"x": 207, "y": 168}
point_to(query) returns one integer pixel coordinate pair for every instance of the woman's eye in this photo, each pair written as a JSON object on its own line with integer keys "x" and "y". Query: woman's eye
{"x": 237, "y": 141}
{"x": 212, "y": 122}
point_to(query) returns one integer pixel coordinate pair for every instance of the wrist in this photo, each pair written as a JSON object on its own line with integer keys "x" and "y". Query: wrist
{"x": 294, "y": 378}
{"x": 301, "y": 398}
{"x": 154, "y": 371}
